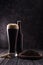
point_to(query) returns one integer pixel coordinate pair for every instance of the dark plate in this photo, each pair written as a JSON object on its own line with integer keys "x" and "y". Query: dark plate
{"x": 30, "y": 54}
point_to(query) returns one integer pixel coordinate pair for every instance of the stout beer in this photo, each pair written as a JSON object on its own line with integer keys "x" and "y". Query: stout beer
{"x": 12, "y": 31}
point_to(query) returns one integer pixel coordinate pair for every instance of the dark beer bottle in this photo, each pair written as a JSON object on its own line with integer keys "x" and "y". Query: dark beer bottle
{"x": 19, "y": 46}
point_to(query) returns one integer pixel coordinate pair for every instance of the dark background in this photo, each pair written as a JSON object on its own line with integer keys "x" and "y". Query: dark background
{"x": 31, "y": 14}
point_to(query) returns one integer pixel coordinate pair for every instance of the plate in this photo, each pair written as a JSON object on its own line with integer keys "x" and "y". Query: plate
{"x": 30, "y": 54}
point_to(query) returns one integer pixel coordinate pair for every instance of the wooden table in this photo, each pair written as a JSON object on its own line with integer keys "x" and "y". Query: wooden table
{"x": 18, "y": 61}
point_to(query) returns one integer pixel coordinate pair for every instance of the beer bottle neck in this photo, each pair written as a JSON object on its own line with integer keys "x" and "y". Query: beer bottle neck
{"x": 19, "y": 23}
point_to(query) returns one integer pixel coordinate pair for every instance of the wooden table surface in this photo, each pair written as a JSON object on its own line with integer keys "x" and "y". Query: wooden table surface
{"x": 18, "y": 61}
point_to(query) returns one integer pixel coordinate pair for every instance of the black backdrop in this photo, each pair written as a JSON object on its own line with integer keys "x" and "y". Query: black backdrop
{"x": 31, "y": 14}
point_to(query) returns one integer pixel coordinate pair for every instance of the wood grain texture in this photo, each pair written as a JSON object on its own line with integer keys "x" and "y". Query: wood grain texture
{"x": 24, "y": 62}
{"x": 12, "y": 61}
{"x": 18, "y": 61}
{"x": 2, "y": 51}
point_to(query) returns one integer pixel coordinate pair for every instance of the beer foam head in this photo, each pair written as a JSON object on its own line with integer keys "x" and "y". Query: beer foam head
{"x": 12, "y": 26}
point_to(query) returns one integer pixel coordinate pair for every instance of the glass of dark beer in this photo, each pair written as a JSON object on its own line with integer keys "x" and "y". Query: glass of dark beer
{"x": 12, "y": 32}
